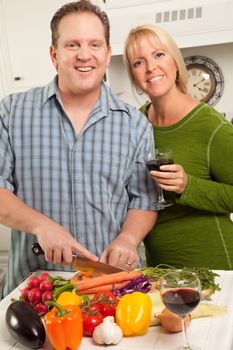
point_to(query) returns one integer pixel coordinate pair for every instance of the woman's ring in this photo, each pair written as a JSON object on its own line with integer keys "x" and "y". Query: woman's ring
{"x": 128, "y": 262}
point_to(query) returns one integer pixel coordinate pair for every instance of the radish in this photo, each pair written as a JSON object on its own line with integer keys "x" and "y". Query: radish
{"x": 34, "y": 295}
{"x": 47, "y": 295}
{"x": 40, "y": 308}
{"x": 46, "y": 285}
{"x": 44, "y": 276}
{"x": 24, "y": 293}
{"x": 33, "y": 282}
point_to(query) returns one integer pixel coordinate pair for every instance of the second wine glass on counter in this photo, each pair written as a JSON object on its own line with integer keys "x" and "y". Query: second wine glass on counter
{"x": 181, "y": 293}
{"x": 161, "y": 156}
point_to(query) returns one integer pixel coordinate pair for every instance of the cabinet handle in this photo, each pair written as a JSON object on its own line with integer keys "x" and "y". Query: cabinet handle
{"x": 17, "y": 78}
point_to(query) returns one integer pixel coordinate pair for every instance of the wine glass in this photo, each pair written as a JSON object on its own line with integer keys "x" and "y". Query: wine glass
{"x": 161, "y": 156}
{"x": 181, "y": 293}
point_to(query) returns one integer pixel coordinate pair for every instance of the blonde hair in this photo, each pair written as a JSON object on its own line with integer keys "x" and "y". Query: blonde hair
{"x": 167, "y": 42}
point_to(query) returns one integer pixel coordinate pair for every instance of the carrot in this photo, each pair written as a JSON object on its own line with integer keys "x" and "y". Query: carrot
{"x": 102, "y": 288}
{"x": 96, "y": 289}
{"x": 105, "y": 279}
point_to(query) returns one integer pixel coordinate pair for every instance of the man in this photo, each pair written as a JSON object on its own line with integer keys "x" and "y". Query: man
{"x": 72, "y": 158}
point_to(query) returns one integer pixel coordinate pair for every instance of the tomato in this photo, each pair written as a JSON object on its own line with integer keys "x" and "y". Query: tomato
{"x": 108, "y": 308}
{"x": 90, "y": 321}
{"x": 105, "y": 302}
{"x": 106, "y": 295}
{"x": 96, "y": 307}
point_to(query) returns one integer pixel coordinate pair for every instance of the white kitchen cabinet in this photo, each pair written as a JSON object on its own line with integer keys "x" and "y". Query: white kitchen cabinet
{"x": 24, "y": 43}
{"x": 192, "y": 23}
{"x": 113, "y": 4}
{"x": 25, "y": 38}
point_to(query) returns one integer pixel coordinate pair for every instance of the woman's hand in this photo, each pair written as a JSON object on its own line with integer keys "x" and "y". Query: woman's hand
{"x": 172, "y": 178}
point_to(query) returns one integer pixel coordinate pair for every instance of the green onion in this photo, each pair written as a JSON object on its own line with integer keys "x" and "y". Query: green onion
{"x": 206, "y": 276}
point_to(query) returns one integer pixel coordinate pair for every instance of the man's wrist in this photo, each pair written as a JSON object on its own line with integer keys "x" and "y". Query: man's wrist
{"x": 129, "y": 237}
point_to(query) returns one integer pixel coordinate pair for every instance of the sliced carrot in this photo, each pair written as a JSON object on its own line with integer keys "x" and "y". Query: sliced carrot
{"x": 106, "y": 279}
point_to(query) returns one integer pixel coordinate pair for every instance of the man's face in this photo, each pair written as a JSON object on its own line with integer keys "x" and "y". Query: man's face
{"x": 81, "y": 55}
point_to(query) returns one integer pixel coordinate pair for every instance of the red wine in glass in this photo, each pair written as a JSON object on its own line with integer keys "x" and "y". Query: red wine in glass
{"x": 154, "y": 164}
{"x": 181, "y": 301}
{"x": 161, "y": 156}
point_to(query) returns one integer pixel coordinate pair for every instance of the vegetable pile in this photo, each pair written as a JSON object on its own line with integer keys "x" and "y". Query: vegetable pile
{"x": 105, "y": 307}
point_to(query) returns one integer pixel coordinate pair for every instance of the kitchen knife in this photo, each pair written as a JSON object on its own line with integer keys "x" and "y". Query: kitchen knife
{"x": 80, "y": 263}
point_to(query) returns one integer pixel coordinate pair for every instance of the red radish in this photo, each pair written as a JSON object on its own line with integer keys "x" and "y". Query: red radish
{"x": 47, "y": 295}
{"x": 46, "y": 285}
{"x": 40, "y": 308}
{"x": 24, "y": 293}
{"x": 34, "y": 295}
{"x": 33, "y": 282}
{"x": 44, "y": 276}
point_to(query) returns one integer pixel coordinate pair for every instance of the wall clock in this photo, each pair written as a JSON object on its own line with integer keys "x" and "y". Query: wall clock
{"x": 205, "y": 79}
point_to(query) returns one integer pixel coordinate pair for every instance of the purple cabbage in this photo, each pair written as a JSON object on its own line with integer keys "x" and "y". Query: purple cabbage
{"x": 140, "y": 284}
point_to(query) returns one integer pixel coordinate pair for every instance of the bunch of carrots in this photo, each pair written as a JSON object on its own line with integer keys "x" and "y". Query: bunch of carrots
{"x": 92, "y": 285}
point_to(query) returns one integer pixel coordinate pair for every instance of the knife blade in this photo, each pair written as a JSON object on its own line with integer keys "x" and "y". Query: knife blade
{"x": 80, "y": 263}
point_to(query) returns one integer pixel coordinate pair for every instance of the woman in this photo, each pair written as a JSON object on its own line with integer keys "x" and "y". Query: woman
{"x": 196, "y": 230}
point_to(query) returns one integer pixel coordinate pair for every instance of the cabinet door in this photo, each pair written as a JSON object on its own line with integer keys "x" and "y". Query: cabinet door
{"x": 25, "y": 38}
{"x": 114, "y": 4}
{"x": 24, "y": 43}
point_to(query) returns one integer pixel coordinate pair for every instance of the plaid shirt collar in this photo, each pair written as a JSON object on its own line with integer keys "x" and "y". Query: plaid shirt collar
{"x": 105, "y": 103}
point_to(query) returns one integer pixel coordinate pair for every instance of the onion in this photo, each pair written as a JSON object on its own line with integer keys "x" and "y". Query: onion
{"x": 172, "y": 322}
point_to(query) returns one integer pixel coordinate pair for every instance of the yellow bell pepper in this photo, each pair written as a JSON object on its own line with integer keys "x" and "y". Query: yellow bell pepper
{"x": 69, "y": 298}
{"x": 133, "y": 313}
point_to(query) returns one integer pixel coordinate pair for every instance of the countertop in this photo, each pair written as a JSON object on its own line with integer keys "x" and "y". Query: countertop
{"x": 208, "y": 333}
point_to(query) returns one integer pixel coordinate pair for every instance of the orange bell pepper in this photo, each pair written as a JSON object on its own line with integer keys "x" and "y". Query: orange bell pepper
{"x": 64, "y": 326}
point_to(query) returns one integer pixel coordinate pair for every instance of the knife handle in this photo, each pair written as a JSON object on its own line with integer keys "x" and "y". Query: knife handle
{"x": 36, "y": 249}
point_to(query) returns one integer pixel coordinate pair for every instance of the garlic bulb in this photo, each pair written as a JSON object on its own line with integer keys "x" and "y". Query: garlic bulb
{"x": 108, "y": 332}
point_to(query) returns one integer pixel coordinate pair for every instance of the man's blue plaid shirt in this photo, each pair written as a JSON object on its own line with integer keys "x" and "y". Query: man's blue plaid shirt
{"x": 86, "y": 183}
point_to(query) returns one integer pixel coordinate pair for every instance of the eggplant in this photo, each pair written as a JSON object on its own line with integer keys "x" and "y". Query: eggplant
{"x": 25, "y": 325}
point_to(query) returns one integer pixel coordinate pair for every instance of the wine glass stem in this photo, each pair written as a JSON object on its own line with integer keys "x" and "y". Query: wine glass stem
{"x": 161, "y": 197}
{"x": 184, "y": 331}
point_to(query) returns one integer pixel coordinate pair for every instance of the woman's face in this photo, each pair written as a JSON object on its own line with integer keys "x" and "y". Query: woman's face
{"x": 153, "y": 68}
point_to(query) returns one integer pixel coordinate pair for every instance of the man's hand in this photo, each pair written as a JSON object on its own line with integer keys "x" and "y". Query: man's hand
{"x": 123, "y": 250}
{"x": 59, "y": 245}
{"x": 121, "y": 253}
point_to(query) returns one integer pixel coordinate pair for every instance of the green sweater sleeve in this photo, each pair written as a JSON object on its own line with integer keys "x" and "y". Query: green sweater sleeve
{"x": 208, "y": 195}
{"x": 215, "y": 195}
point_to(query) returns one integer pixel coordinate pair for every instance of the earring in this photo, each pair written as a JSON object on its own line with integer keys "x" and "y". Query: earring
{"x": 139, "y": 92}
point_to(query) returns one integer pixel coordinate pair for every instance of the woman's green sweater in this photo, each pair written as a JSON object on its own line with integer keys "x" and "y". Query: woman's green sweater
{"x": 196, "y": 230}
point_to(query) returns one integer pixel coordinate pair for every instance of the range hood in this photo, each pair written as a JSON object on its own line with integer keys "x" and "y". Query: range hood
{"x": 191, "y": 23}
